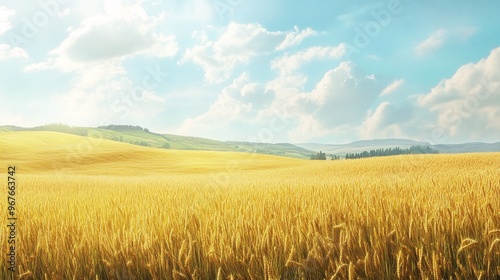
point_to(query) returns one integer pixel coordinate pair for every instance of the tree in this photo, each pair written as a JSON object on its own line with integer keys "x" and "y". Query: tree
{"x": 393, "y": 152}
{"x": 319, "y": 156}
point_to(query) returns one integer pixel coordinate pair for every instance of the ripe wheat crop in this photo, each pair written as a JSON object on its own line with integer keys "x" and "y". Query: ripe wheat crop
{"x": 114, "y": 211}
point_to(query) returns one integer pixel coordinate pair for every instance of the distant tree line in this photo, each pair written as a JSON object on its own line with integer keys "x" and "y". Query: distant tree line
{"x": 123, "y": 127}
{"x": 133, "y": 128}
{"x": 392, "y": 152}
{"x": 319, "y": 156}
{"x": 59, "y": 127}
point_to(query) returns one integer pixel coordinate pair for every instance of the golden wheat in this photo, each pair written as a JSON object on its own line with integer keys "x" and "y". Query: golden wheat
{"x": 119, "y": 211}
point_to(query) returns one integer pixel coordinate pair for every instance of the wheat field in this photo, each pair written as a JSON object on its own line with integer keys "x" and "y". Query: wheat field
{"x": 96, "y": 209}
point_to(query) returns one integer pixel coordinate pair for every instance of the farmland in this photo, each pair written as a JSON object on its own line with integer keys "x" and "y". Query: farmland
{"x": 92, "y": 208}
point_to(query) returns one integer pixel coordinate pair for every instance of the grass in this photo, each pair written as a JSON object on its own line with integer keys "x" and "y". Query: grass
{"x": 92, "y": 208}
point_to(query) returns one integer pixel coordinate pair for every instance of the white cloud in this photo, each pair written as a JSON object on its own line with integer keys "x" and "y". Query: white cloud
{"x": 112, "y": 6}
{"x": 466, "y": 106}
{"x": 287, "y": 63}
{"x": 307, "y": 128}
{"x": 237, "y": 45}
{"x": 335, "y": 107}
{"x": 7, "y": 52}
{"x": 344, "y": 95}
{"x": 385, "y": 122}
{"x": 433, "y": 42}
{"x": 442, "y": 37}
{"x": 38, "y": 66}
{"x": 240, "y": 101}
{"x": 5, "y": 14}
{"x": 64, "y": 12}
{"x": 94, "y": 54}
{"x": 163, "y": 46}
{"x": 118, "y": 35}
{"x": 376, "y": 120}
{"x": 393, "y": 87}
{"x": 296, "y": 37}
{"x": 463, "y": 108}
{"x": 151, "y": 96}
{"x": 117, "y": 100}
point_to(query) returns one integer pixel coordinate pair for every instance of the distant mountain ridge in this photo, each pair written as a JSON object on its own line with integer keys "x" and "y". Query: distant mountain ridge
{"x": 367, "y": 145}
{"x": 390, "y": 141}
{"x": 473, "y": 147}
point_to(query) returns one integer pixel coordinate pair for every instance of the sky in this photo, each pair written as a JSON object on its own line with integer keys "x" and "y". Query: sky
{"x": 261, "y": 71}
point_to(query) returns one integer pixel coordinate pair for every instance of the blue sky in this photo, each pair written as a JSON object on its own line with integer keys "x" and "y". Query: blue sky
{"x": 265, "y": 71}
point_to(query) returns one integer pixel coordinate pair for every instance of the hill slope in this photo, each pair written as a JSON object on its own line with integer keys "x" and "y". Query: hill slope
{"x": 138, "y": 136}
{"x": 39, "y": 152}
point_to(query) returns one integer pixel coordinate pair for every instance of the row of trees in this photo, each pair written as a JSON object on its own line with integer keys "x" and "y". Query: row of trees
{"x": 123, "y": 127}
{"x": 59, "y": 127}
{"x": 392, "y": 152}
{"x": 380, "y": 153}
{"x": 320, "y": 156}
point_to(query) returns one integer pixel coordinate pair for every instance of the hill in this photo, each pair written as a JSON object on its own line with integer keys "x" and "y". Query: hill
{"x": 137, "y": 135}
{"x": 474, "y": 147}
{"x": 43, "y": 151}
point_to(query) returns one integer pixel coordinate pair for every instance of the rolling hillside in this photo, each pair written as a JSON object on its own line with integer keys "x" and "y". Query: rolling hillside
{"x": 143, "y": 137}
{"x": 43, "y": 151}
{"x": 138, "y": 136}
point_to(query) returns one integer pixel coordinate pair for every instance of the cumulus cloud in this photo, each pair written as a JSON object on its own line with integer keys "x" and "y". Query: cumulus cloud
{"x": 336, "y": 106}
{"x": 110, "y": 36}
{"x": 296, "y": 37}
{"x": 237, "y": 45}
{"x": 100, "y": 90}
{"x": 466, "y": 106}
{"x": 289, "y": 63}
{"x": 387, "y": 121}
{"x": 463, "y": 108}
{"x": 242, "y": 100}
{"x": 5, "y": 14}
{"x": 7, "y": 52}
{"x": 344, "y": 95}
{"x": 114, "y": 101}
